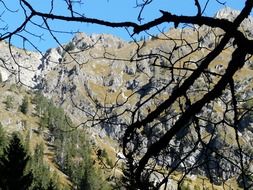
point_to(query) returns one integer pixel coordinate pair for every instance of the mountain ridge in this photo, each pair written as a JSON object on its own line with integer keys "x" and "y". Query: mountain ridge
{"x": 99, "y": 77}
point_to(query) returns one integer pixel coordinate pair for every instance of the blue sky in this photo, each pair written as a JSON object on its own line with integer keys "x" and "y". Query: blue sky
{"x": 111, "y": 10}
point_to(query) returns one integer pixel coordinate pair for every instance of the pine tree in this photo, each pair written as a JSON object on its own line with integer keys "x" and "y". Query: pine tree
{"x": 3, "y": 139}
{"x": 52, "y": 185}
{"x": 1, "y": 78}
{"x": 40, "y": 171}
{"x": 25, "y": 105}
{"x": 9, "y": 102}
{"x": 41, "y": 104}
{"x": 13, "y": 166}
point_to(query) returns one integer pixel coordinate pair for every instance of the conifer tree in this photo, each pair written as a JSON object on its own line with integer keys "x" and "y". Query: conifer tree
{"x": 9, "y": 102}
{"x": 25, "y": 105}
{"x": 1, "y": 78}
{"x": 3, "y": 139}
{"x": 13, "y": 164}
{"x": 40, "y": 171}
{"x": 52, "y": 185}
{"x": 41, "y": 104}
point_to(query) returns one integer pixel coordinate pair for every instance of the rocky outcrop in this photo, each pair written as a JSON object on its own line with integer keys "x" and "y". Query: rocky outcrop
{"x": 230, "y": 14}
{"x": 91, "y": 79}
{"x": 17, "y": 65}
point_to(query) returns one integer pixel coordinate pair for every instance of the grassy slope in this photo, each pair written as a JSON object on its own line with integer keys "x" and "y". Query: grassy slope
{"x": 12, "y": 119}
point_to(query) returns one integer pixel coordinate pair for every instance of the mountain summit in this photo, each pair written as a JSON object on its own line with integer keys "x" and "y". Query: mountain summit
{"x": 101, "y": 80}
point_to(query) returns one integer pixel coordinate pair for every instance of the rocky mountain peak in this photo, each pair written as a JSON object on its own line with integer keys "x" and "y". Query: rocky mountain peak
{"x": 82, "y": 40}
{"x": 227, "y": 13}
{"x": 230, "y": 14}
{"x": 82, "y": 78}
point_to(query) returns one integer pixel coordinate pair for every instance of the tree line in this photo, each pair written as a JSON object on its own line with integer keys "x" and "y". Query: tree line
{"x": 23, "y": 167}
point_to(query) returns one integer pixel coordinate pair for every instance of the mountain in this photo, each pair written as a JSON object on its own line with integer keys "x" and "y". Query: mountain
{"x": 96, "y": 77}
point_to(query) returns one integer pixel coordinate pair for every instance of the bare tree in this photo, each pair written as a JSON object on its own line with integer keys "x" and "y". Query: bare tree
{"x": 175, "y": 127}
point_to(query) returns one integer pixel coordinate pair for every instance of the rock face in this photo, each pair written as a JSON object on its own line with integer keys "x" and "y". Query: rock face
{"x": 227, "y": 13}
{"x": 231, "y": 14}
{"x": 91, "y": 79}
{"x": 18, "y": 65}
